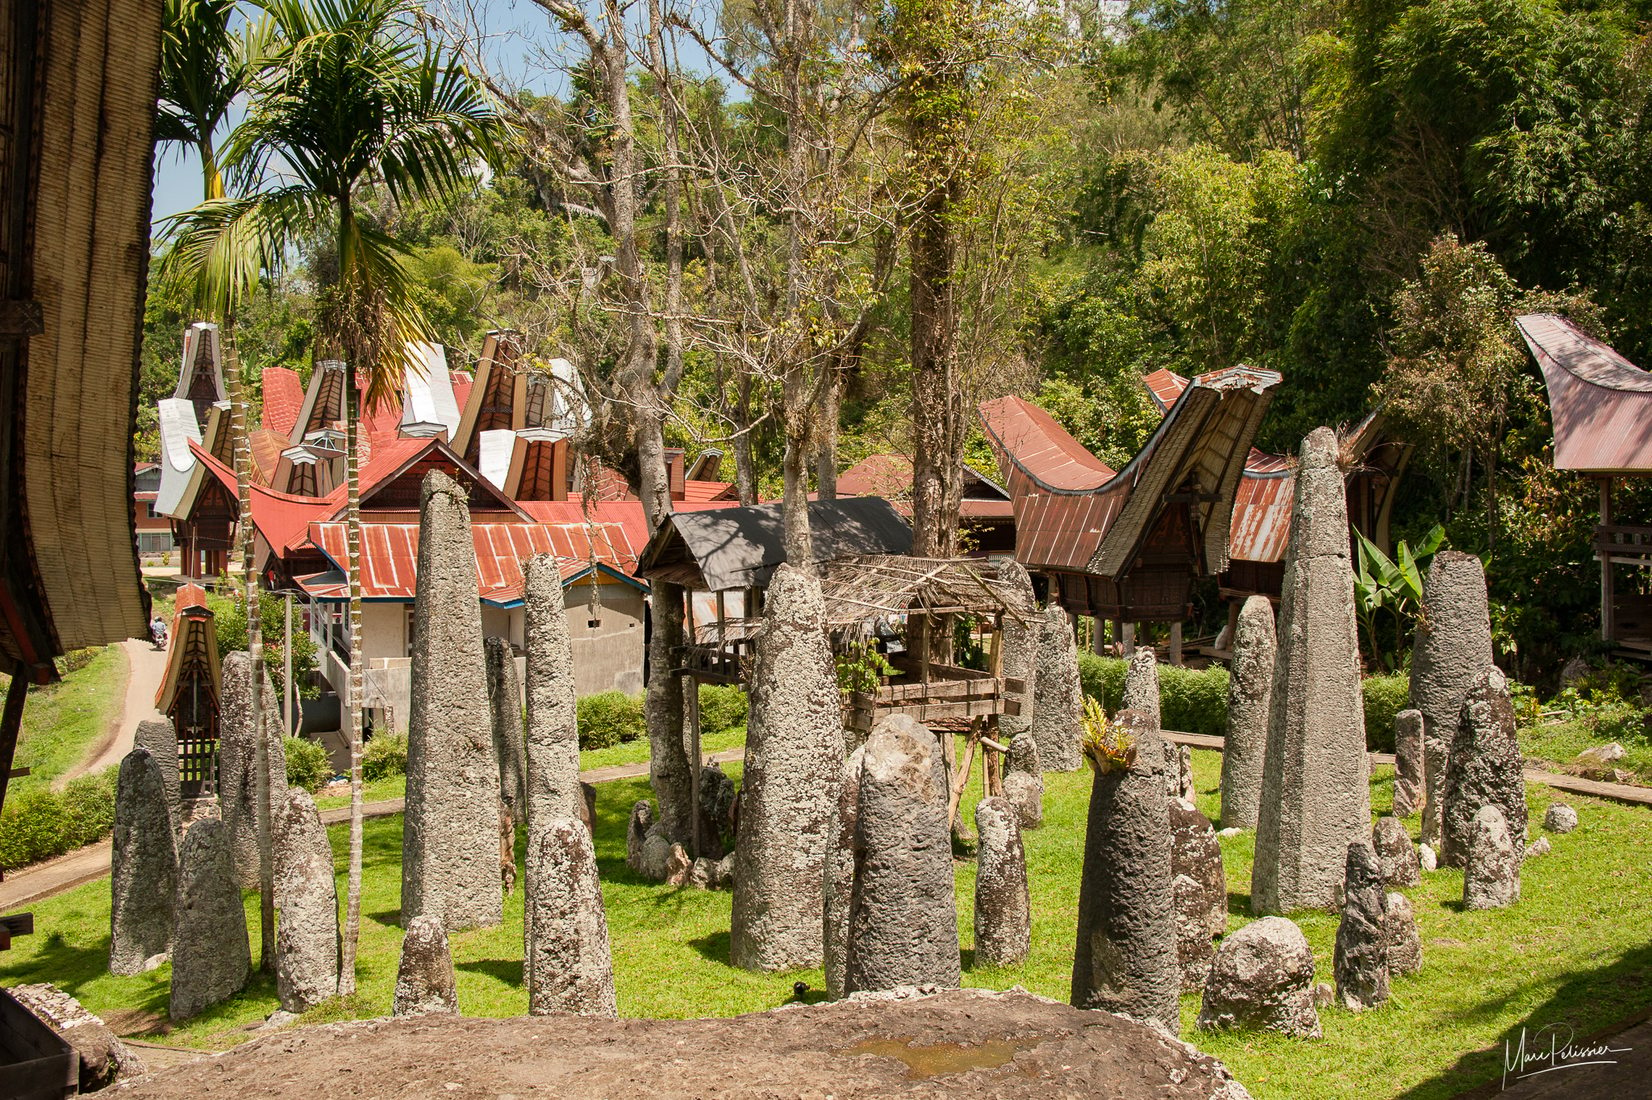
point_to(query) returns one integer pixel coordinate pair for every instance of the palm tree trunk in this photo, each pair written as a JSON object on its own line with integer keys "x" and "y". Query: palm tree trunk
{"x": 352, "y": 476}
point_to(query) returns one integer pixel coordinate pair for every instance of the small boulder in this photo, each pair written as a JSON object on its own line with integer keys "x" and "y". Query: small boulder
{"x": 424, "y": 980}
{"x": 1263, "y": 978}
{"x": 1491, "y": 879}
{"x": 1599, "y": 757}
{"x": 1405, "y": 944}
{"x": 677, "y": 866}
{"x": 1560, "y": 818}
{"x": 1361, "y": 958}
{"x": 103, "y": 1057}
{"x": 1539, "y": 847}
{"x": 1395, "y": 852}
{"x": 1426, "y": 858}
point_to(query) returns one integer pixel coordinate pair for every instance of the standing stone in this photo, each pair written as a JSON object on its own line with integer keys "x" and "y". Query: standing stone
{"x": 1024, "y": 781}
{"x": 1560, "y": 818}
{"x": 903, "y": 919}
{"x": 717, "y": 802}
{"x": 238, "y": 763}
{"x": 1410, "y": 787}
{"x": 793, "y": 765}
{"x": 209, "y": 952}
{"x": 1491, "y": 878}
{"x": 1361, "y": 958}
{"x": 143, "y": 866}
{"x": 1263, "y": 977}
{"x": 1201, "y": 891}
{"x": 424, "y": 978}
{"x": 162, "y": 741}
{"x": 306, "y": 938}
{"x": 505, "y": 709}
{"x": 1315, "y": 794}
{"x": 1250, "y": 687}
{"x": 1185, "y": 789}
{"x": 636, "y": 834}
{"x": 1019, "y": 657}
{"x": 1451, "y": 648}
{"x": 1485, "y": 768}
{"x": 1058, "y": 707}
{"x": 552, "y": 775}
{"x": 568, "y": 963}
{"x": 1395, "y": 853}
{"x": 1126, "y": 957}
{"x": 1003, "y": 908}
{"x": 1141, "y": 685}
{"x": 840, "y": 876}
{"x": 1405, "y": 944}
{"x": 450, "y": 829}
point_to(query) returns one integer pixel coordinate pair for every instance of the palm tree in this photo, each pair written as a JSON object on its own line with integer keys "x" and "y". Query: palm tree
{"x": 354, "y": 95}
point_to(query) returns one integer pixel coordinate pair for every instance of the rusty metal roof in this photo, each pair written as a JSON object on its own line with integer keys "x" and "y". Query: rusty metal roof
{"x": 1164, "y": 386}
{"x": 1601, "y": 403}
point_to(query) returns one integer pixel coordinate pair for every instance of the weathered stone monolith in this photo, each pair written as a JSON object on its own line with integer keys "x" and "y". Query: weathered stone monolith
{"x": 903, "y": 920}
{"x": 1058, "y": 699}
{"x": 1263, "y": 978}
{"x": 718, "y": 797}
{"x": 793, "y": 765}
{"x": 1451, "y": 648}
{"x": 1003, "y": 909}
{"x": 1141, "y": 686}
{"x": 143, "y": 866}
{"x": 238, "y": 763}
{"x": 1360, "y": 962}
{"x": 552, "y": 770}
{"x": 569, "y": 967}
{"x": 1315, "y": 795}
{"x": 1126, "y": 956}
{"x": 162, "y": 742}
{"x": 505, "y": 712}
{"x": 424, "y": 977}
{"x": 1485, "y": 767}
{"x": 1201, "y": 890}
{"x": 306, "y": 940}
{"x": 840, "y": 875}
{"x": 1024, "y": 781}
{"x": 1250, "y": 687}
{"x": 1022, "y": 624}
{"x": 1395, "y": 853}
{"x": 1491, "y": 876}
{"x": 1405, "y": 944}
{"x": 209, "y": 950}
{"x": 1410, "y": 787}
{"x": 450, "y": 829}
{"x": 636, "y": 834}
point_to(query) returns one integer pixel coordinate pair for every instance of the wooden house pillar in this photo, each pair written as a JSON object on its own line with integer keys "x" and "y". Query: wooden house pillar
{"x": 1608, "y": 593}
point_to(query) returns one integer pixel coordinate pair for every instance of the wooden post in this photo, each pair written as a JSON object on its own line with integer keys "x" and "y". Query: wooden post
{"x": 11, "y": 721}
{"x": 961, "y": 779}
{"x": 1608, "y": 594}
{"x": 1098, "y": 636}
{"x": 290, "y": 703}
{"x": 1176, "y": 644}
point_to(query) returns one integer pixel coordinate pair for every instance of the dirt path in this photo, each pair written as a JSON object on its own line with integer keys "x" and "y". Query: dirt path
{"x": 145, "y": 665}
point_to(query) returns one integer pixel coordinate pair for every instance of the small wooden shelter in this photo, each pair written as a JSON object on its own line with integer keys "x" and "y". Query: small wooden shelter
{"x": 190, "y": 689}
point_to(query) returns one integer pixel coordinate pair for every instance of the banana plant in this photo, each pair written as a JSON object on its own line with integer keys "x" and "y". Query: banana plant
{"x": 1392, "y": 585}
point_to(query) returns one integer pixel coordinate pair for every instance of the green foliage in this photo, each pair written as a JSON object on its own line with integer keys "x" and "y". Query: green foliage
{"x": 1384, "y": 697}
{"x": 307, "y": 763}
{"x": 862, "y": 668}
{"x": 722, "y": 708}
{"x": 229, "y": 621}
{"x": 1190, "y": 700}
{"x": 1391, "y": 589}
{"x": 609, "y": 718}
{"x": 384, "y": 755}
{"x": 41, "y": 822}
{"x": 63, "y": 722}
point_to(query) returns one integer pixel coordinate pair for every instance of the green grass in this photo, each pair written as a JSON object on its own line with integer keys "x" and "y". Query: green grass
{"x": 636, "y": 752}
{"x": 1574, "y": 950}
{"x": 62, "y": 721}
{"x": 377, "y": 790}
{"x": 1558, "y": 744}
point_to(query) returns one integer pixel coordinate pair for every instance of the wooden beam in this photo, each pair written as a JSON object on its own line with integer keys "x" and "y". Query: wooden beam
{"x": 11, "y": 721}
{"x": 21, "y": 317}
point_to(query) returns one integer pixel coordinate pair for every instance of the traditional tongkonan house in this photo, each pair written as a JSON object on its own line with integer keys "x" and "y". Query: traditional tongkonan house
{"x": 986, "y": 517}
{"x": 189, "y": 692}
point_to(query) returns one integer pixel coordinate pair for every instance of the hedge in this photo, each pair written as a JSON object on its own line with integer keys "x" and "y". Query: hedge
{"x": 41, "y": 823}
{"x": 1385, "y": 696}
{"x": 608, "y": 718}
{"x": 722, "y": 708}
{"x": 307, "y": 763}
{"x": 384, "y": 755}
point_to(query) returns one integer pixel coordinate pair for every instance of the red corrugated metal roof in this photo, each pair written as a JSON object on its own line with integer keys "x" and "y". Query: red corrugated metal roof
{"x": 1039, "y": 448}
{"x": 701, "y": 492}
{"x": 1600, "y": 402}
{"x": 462, "y": 381}
{"x": 1164, "y": 386}
{"x": 283, "y": 398}
{"x": 887, "y": 476}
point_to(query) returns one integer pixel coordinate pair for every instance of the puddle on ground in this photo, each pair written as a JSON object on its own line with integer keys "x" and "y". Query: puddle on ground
{"x": 939, "y": 1059}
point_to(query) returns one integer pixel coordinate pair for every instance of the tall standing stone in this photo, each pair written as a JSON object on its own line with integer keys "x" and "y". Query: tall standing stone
{"x": 306, "y": 940}
{"x": 1003, "y": 908}
{"x": 840, "y": 876}
{"x": 1315, "y": 795}
{"x": 1019, "y": 658}
{"x": 450, "y": 829}
{"x": 1250, "y": 687}
{"x": 505, "y": 709}
{"x": 793, "y": 765}
{"x": 1024, "y": 781}
{"x": 1361, "y": 957}
{"x": 424, "y": 977}
{"x": 1201, "y": 890}
{"x": 210, "y": 956}
{"x": 1451, "y": 648}
{"x": 1058, "y": 698}
{"x": 1410, "y": 787}
{"x": 569, "y": 966}
{"x": 1141, "y": 686}
{"x": 903, "y": 919}
{"x": 1485, "y": 767}
{"x": 238, "y": 763}
{"x": 552, "y": 779}
{"x": 1405, "y": 943}
{"x": 143, "y": 866}
{"x": 162, "y": 742}
{"x": 1126, "y": 956}
{"x": 1491, "y": 877}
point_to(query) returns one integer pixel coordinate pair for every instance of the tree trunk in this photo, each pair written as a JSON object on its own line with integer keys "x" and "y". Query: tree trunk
{"x": 745, "y": 445}
{"x": 352, "y": 525}
{"x": 936, "y": 402}
{"x": 831, "y": 407}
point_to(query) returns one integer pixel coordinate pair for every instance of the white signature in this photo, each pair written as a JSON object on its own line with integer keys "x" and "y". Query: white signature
{"x": 1552, "y": 1047}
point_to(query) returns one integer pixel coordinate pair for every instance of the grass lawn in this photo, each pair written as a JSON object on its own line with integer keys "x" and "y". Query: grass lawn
{"x": 62, "y": 721}
{"x": 1574, "y": 950}
{"x": 1559, "y": 743}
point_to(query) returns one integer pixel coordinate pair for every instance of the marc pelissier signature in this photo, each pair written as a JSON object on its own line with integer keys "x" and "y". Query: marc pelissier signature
{"x": 1552, "y": 1047}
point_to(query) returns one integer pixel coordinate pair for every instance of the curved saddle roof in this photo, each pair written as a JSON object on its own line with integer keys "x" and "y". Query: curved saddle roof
{"x": 1600, "y": 402}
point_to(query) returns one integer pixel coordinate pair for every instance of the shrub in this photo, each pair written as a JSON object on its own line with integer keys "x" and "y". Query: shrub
{"x": 722, "y": 707}
{"x": 384, "y": 756}
{"x": 41, "y": 823}
{"x": 1385, "y": 696}
{"x": 1190, "y": 700}
{"x": 608, "y": 718}
{"x": 307, "y": 764}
